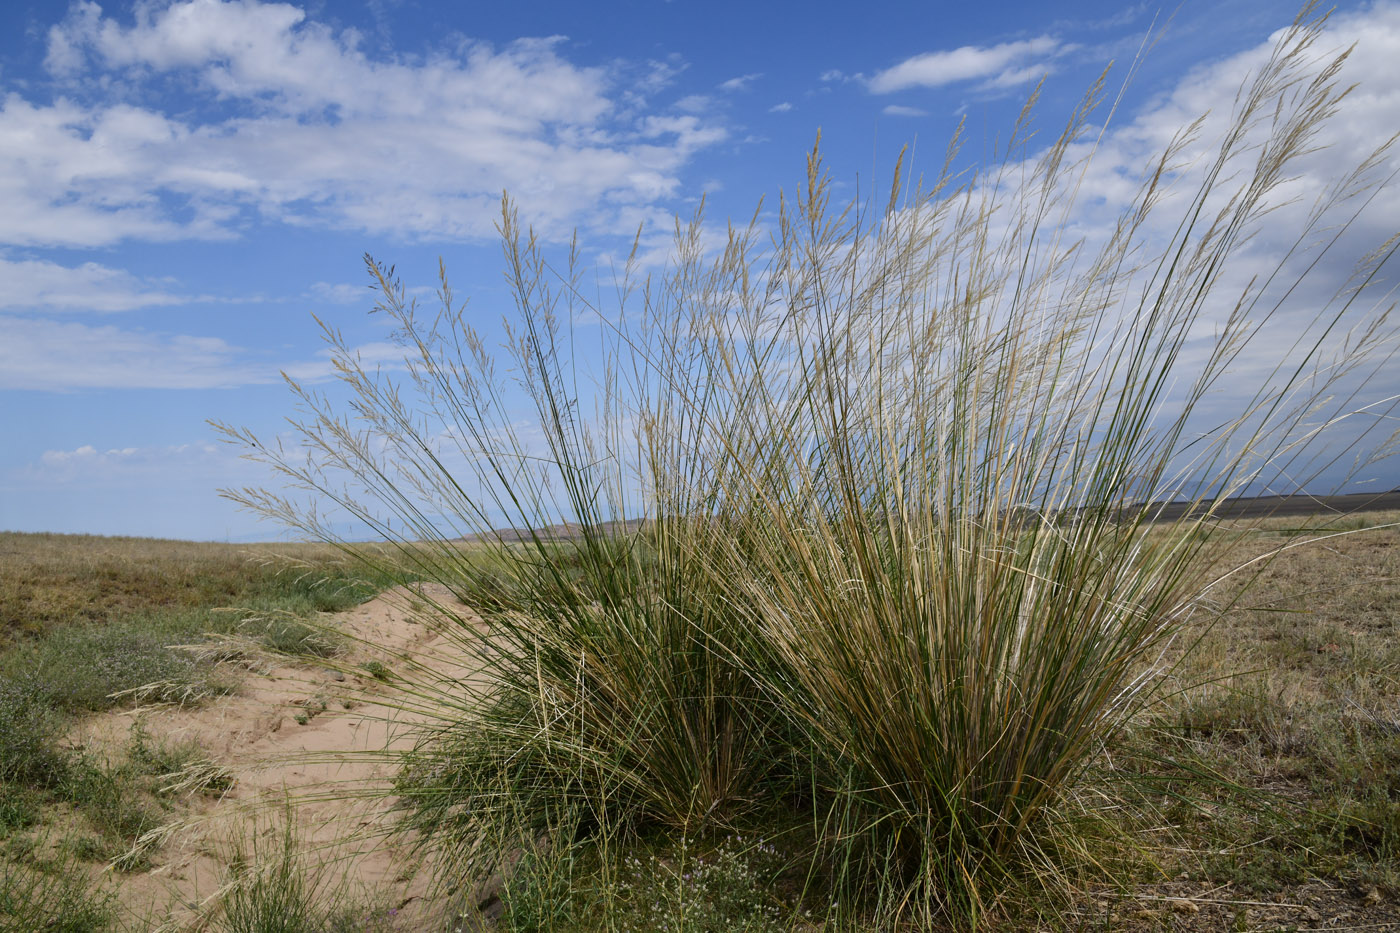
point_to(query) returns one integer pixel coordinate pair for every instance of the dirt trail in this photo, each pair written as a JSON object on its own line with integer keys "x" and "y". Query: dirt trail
{"x": 321, "y": 774}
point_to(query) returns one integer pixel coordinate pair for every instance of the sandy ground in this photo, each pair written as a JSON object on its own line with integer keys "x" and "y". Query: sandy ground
{"x": 321, "y": 775}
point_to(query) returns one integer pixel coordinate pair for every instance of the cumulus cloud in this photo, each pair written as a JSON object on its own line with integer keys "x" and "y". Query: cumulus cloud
{"x": 293, "y": 122}
{"x": 1003, "y": 65}
{"x": 42, "y": 285}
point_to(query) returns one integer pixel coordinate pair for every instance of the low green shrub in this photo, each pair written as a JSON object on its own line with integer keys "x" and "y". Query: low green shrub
{"x": 29, "y": 732}
{"x": 79, "y": 668}
{"x": 290, "y": 635}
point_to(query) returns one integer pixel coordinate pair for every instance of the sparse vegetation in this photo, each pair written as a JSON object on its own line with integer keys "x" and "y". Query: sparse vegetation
{"x": 52, "y": 895}
{"x": 64, "y": 808}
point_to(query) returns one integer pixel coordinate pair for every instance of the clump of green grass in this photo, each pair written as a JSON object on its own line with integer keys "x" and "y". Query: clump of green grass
{"x": 903, "y": 566}
{"x": 276, "y": 891}
{"x": 53, "y": 895}
{"x": 84, "y": 668}
{"x": 289, "y": 634}
{"x": 29, "y": 731}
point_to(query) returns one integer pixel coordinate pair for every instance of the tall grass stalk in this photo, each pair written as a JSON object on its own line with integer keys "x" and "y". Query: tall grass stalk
{"x": 897, "y": 557}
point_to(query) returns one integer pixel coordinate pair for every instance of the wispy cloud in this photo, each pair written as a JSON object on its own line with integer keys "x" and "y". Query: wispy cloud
{"x": 293, "y": 122}
{"x": 64, "y": 356}
{"x": 341, "y": 293}
{"x": 1003, "y": 65}
{"x": 694, "y": 103}
{"x": 740, "y": 83}
{"x": 899, "y": 110}
{"x": 784, "y": 107}
{"x": 41, "y": 285}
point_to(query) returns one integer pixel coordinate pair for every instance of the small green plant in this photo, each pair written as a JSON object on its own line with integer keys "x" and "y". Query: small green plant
{"x": 377, "y": 670}
{"x": 287, "y": 634}
{"x": 112, "y": 800}
{"x": 538, "y": 893}
{"x": 276, "y": 891}
{"x": 57, "y": 898}
{"x": 84, "y": 848}
{"x": 19, "y": 808}
{"x": 727, "y": 890}
{"x": 271, "y": 892}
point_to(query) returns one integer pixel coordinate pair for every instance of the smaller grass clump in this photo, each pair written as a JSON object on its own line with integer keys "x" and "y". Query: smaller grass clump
{"x": 53, "y": 895}
{"x": 277, "y": 890}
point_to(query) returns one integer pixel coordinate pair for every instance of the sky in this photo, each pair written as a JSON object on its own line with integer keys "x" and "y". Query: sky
{"x": 183, "y": 185}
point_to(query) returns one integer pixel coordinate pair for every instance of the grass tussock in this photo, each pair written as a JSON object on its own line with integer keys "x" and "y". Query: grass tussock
{"x": 893, "y": 561}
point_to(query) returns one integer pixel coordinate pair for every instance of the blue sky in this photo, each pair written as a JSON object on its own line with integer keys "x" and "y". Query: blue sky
{"x": 182, "y": 185}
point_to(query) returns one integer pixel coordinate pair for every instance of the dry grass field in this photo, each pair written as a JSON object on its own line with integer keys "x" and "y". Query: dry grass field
{"x": 53, "y": 579}
{"x": 1261, "y": 791}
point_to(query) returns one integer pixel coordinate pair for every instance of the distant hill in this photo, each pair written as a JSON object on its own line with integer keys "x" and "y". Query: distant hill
{"x": 1285, "y": 506}
{"x": 1242, "y": 507}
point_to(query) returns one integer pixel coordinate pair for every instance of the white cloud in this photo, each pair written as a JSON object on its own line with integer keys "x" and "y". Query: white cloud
{"x": 158, "y": 467}
{"x": 293, "y": 122}
{"x": 61, "y": 356}
{"x": 39, "y": 284}
{"x": 1085, "y": 207}
{"x": 999, "y": 65}
{"x": 898, "y": 110}
{"x": 85, "y": 454}
{"x": 784, "y": 107}
{"x": 341, "y": 293}
{"x": 740, "y": 83}
{"x": 694, "y": 103}
{"x": 833, "y": 74}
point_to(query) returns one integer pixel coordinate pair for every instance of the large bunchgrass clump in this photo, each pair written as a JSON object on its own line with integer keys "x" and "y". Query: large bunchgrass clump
{"x": 892, "y": 557}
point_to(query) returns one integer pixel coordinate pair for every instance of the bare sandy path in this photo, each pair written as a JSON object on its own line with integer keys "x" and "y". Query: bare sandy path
{"x": 322, "y": 775}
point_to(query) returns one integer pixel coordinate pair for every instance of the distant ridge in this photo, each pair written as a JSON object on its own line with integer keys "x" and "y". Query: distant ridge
{"x": 1286, "y": 506}
{"x": 1242, "y": 507}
